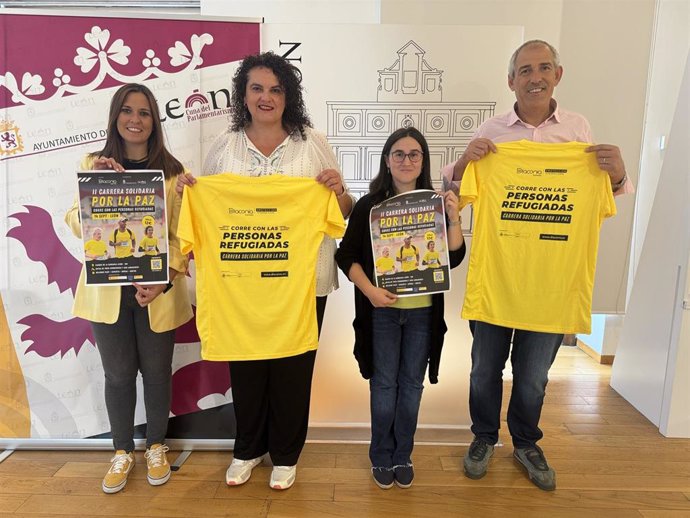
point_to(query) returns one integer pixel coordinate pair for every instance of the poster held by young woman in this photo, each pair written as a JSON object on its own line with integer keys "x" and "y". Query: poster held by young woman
{"x": 124, "y": 227}
{"x": 408, "y": 239}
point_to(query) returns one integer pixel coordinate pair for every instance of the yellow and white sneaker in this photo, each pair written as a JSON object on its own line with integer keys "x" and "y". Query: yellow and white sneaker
{"x": 157, "y": 462}
{"x": 116, "y": 478}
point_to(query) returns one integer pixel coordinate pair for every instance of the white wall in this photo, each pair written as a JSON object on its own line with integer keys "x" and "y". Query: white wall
{"x": 675, "y": 414}
{"x": 651, "y": 367}
{"x": 670, "y": 45}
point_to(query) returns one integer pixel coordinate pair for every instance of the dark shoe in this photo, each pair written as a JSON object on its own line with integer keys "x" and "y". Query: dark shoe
{"x": 383, "y": 477}
{"x": 476, "y": 459}
{"x": 533, "y": 460}
{"x": 404, "y": 475}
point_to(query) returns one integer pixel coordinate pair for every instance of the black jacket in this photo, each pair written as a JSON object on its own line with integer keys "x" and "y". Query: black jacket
{"x": 356, "y": 248}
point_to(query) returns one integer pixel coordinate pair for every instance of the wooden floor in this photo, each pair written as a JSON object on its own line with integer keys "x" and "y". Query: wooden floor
{"x": 610, "y": 462}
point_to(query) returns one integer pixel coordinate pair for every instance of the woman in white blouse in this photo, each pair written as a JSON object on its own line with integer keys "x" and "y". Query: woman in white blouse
{"x": 270, "y": 133}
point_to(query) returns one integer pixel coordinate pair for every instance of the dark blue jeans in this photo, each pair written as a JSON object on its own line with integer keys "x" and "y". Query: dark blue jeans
{"x": 401, "y": 342}
{"x": 531, "y": 357}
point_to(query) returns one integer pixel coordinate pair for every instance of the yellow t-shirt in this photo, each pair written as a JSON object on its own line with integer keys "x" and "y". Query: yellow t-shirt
{"x": 149, "y": 245}
{"x": 255, "y": 242}
{"x": 538, "y": 209}
{"x": 418, "y": 301}
{"x": 95, "y": 249}
{"x": 408, "y": 257}
{"x": 385, "y": 265}
{"x": 431, "y": 259}
{"x": 123, "y": 242}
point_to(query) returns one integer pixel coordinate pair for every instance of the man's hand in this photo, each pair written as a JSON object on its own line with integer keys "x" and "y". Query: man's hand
{"x": 476, "y": 149}
{"x": 610, "y": 160}
{"x": 479, "y": 148}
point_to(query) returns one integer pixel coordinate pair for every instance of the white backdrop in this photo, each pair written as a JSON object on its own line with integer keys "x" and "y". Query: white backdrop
{"x": 340, "y": 64}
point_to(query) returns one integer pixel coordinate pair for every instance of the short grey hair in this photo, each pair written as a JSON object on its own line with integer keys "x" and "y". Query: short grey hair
{"x": 513, "y": 58}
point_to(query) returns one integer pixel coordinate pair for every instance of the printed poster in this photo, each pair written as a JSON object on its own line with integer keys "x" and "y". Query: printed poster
{"x": 408, "y": 239}
{"x": 124, "y": 227}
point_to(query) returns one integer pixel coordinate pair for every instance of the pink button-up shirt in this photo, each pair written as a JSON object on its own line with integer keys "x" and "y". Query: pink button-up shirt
{"x": 561, "y": 126}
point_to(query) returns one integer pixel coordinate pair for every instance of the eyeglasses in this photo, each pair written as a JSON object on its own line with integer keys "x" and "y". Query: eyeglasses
{"x": 399, "y": 156}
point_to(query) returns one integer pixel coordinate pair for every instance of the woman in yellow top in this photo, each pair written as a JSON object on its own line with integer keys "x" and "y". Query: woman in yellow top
{"x": 95, "y": 248}
{"x": 135, "y": 325}
{"x": 431, "y": 257}
{"x": 149, "y": 244}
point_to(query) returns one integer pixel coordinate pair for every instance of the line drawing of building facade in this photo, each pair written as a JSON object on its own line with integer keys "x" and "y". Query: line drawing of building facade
{"x": 410, "y": 93}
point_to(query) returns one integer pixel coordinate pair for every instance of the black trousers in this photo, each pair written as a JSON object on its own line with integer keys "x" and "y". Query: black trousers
{"x": 271, "y": 400}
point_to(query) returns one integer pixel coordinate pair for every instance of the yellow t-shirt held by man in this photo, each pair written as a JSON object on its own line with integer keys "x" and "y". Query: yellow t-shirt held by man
{"x": 538, "y": 209}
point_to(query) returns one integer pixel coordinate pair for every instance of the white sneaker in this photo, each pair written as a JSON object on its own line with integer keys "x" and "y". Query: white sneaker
{"x": 239, "y": 471}
{"x": 282, "y": 477}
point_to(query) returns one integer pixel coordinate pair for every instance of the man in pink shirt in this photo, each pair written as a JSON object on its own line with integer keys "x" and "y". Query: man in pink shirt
{"x": 533, "y": 74}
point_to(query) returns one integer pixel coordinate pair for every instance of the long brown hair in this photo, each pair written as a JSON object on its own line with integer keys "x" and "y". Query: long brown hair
{"x": 158, "y": 156}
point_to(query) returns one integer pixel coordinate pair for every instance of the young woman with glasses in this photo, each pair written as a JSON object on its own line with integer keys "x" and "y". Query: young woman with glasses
{"x": 395, "y": 338}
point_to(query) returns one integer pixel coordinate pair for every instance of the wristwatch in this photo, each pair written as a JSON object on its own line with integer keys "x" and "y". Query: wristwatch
{"x": 619, "y": 184}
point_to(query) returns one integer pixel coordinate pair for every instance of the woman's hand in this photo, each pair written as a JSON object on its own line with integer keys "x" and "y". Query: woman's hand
{"x": 454, "y": 230}
{"x": 147, "y": 294}
{"x": 182, "y": 180}
{"x": 380, "y": 297}
{"x": 332, "y": 179}
{"x": 104, "y": 163}
{"x": 450, "y": 200}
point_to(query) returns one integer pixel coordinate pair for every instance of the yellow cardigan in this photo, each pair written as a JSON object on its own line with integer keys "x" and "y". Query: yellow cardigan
{"x": 102, "y": 303}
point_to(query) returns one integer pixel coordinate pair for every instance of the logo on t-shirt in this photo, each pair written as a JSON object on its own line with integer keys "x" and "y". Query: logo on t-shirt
{"x": 240, "y": 212}
{"x": 532, "y": 172}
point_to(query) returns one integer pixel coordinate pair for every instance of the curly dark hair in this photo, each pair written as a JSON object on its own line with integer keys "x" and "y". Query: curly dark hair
{"x": 295, "y": 116}
{"x": 381, "y": 186}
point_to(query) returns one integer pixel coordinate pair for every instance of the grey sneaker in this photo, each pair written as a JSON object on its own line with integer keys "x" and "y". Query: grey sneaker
{"x": 476, "y": 459}
{"x": 533, "y": 460}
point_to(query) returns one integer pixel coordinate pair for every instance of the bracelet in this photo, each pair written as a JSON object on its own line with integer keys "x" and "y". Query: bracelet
{"x": 454, "y": 223}
{"x": 342, "y": 193}
{"x": 619, "y": 184}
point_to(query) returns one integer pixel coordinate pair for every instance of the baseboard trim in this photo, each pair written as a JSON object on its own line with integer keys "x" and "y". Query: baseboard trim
{"x": 603, "y": 359}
